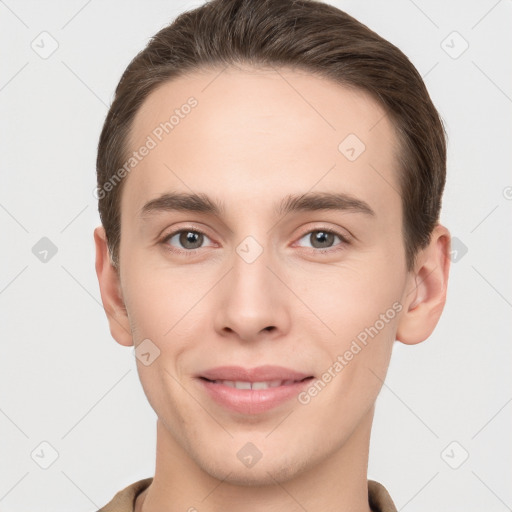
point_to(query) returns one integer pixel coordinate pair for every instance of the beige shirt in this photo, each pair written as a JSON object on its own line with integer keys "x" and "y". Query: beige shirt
{"x": 124, "y": 501}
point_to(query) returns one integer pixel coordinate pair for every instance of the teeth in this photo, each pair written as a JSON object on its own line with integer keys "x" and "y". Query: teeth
{"x": 259, "y": 385}
{"x": 255, "y": 385}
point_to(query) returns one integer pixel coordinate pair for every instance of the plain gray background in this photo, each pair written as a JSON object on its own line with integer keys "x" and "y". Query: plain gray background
{"x": 66, "y": 383}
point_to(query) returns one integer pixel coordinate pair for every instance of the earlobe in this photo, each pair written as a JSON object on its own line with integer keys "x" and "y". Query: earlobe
{"x": 110, "y": 289}
{"x": 426, "y": 296}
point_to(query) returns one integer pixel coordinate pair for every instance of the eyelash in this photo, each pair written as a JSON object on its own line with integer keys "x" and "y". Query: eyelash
{"x": 192, "y": 252}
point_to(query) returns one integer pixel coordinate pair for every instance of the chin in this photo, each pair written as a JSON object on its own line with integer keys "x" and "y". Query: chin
{"x": 264, "y": 472}
{"x": 252, "y": 477}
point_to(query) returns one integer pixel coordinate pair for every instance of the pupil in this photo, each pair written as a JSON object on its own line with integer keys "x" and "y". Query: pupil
{"x": 322, "y": 237}
{"x": 191, "y": 237}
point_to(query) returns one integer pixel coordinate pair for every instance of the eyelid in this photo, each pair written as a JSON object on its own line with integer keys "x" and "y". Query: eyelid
{"x": 343, "y": 234}
{"x": 172, "y": 230}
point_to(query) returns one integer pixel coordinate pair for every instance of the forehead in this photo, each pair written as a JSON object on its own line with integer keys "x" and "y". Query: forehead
{"x": 252, "y": 133}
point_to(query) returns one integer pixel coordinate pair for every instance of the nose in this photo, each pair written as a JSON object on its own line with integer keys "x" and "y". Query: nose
{"x": 251, "y": 303}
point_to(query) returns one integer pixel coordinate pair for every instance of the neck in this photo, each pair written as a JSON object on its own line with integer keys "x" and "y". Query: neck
{"x": 338, "y": 483}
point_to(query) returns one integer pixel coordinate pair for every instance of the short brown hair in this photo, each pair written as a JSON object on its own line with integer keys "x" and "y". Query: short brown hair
{"x": 302, "y": 34}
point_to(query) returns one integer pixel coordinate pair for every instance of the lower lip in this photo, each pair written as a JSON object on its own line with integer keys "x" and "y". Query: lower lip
{"x": 252, "y": 401}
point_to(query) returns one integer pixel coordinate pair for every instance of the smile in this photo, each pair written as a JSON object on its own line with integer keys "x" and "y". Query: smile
{"x": 240, "y": 384}
{"x": 252, "y": 391}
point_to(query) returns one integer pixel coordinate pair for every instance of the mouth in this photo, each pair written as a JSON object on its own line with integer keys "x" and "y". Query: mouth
{"x": 252, "y": 391}
{"x": 242, "y": 384}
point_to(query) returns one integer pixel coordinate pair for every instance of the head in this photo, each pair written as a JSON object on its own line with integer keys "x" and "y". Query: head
{"x": 270, "y": 177}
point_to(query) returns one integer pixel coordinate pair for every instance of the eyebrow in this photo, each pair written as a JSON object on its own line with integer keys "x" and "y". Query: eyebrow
{"x": 310, "y": 201}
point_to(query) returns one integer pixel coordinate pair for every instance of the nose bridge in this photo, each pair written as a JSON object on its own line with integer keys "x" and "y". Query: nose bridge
{"x": 252, "y": 301}
{"x": 251, "y": 276}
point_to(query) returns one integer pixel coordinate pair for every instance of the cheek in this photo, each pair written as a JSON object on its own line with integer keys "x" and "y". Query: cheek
{"x": 161, "y": 313}
{"x": 363, "y": 319}
{"x": 359, "y": 308}
{"x": 157, "y": 296}
{"x": 150, "y": 306}
{"x": 353, "y": 298}
{"x": 165, "y": 306}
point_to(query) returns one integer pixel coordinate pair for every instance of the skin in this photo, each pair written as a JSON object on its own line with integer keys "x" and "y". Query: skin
{"x": 252, "y": 140}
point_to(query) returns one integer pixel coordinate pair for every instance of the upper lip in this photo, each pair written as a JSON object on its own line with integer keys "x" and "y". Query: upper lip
{"x": 257, "y": 374}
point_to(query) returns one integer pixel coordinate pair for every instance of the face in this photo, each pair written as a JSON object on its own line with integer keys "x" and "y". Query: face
{"x": 262, "y": 267}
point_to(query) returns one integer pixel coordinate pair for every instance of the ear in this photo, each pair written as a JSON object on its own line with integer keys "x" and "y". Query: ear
{"x": 111, "y": 293}
{"x": 426, "y": 291}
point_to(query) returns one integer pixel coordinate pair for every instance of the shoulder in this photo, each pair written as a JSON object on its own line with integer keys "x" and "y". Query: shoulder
{"x": 379, "y": 498}
{"x": 124, "y": 500}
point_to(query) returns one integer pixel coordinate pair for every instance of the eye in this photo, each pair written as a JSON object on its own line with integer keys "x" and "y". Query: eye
{"x": 188, "y": 240}
{"x": 323, "y": 238}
